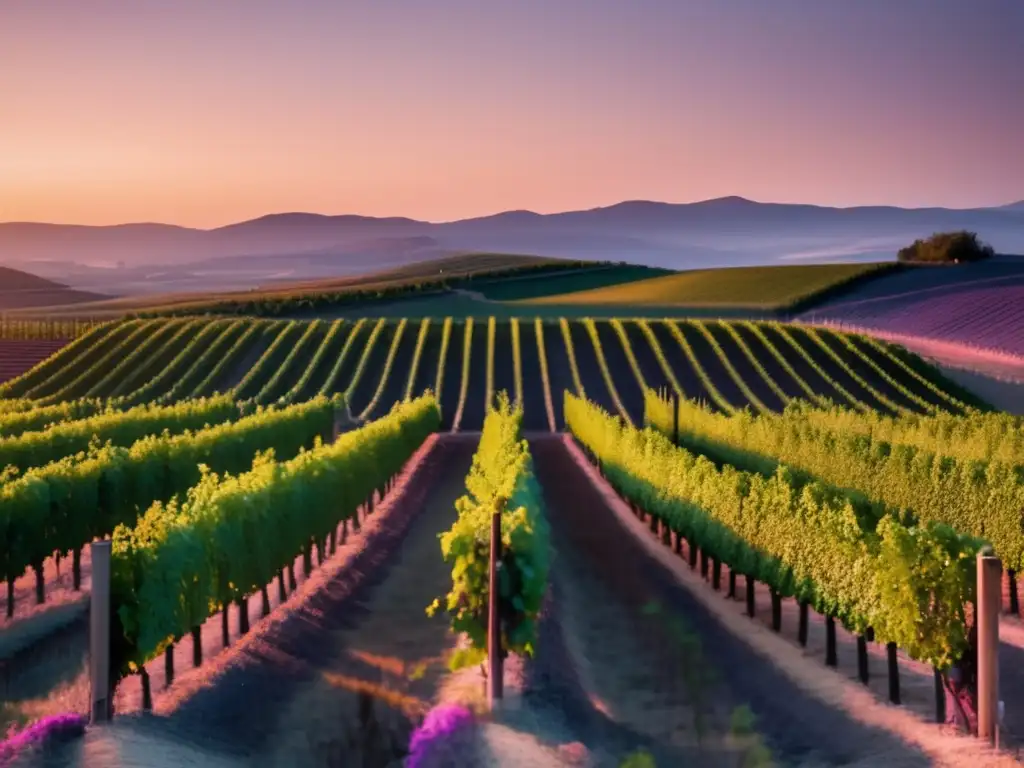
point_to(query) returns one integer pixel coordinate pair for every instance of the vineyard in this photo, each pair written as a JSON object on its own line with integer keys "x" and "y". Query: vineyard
{"x": 978, "y": 305}
{"x": 372, "y": 363}
{"x": 285, "y": 460}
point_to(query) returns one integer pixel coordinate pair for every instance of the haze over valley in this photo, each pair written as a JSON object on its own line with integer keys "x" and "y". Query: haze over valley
{"x": 724, "y": 232}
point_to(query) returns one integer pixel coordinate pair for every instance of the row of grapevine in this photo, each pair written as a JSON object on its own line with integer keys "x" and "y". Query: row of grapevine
{"x": 754, "y": 361}
{"x": 35, "y": 418}
{"x": 333, "y": 380}
{"x": 602, "y": 363}
{"x": 306, "y": 385}
{"x": 446, "y": 335}
{"x": 627, "y": 347}
{"x": 489, "y": 392}
{"x": 274, "y": 387}
{"x": 781, "y": 360}
{"x": 234, "y": 533}
{"x": 59, "y": 507}
{"x": 15, "y": 405}
{"x": 851, "y": 399}
{"x": 501, "y": 479}
{"x": 983, "y": 498}
{"x": 147, "y": 360}
{"x": 467, "y": 348}
{"x": 848, "y": 343}
{"x": 570, "y": 352}
{"x": 538, "y": 327}
{"x": 204, "y": 378}
{"x": 45, "y": 330}
{"x": 709, "y": 385}
{"x": 166, "y": 373}
{"x": 386, "y": 371}
{"x": 856, "y": 561}
{"x": 659, "y": 355}
{"x": 156, "y": 355}
{"x": 744, "y": 387}
{"x": 255, "y": 378}
{"x": 62, "y": 369}
{"x": 41, "y": 372}
{"x": 974, "y": 435}
{"x": 35, "y": 449}
{"x": 850, "y": 370}
{"x": 926, "y": 374}
{"x": 108, "y": 353}
{"x": 414, "y": 368}
{"x": 517, "y": 361}
{"x": 371, "y": 341}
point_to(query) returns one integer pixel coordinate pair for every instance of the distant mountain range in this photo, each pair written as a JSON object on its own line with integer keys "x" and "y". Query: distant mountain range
{"x": 729, "y": 231}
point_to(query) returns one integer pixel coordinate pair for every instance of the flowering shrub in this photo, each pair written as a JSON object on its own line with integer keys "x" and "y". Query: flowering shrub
{"x": 441, "y": 736}
{"x": 46, "y": 731}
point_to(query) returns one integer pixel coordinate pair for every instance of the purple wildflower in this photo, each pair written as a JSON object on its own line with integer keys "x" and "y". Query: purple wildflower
{"x": 440, "y": 731}
{"x": 42, "y": 732}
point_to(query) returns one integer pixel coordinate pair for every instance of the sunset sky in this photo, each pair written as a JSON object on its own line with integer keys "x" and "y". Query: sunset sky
{"x": 203, "y": 113}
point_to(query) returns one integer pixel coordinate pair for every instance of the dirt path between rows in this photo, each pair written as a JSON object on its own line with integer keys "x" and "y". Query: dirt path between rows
{"x": 806, "y": 713}
{"x": 391, "y": 655}
{"x": 32, "y": 621}
{"x": 336, "y": 676}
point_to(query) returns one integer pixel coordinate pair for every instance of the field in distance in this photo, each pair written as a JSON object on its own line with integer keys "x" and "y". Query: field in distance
{"x": 501, "y": 284}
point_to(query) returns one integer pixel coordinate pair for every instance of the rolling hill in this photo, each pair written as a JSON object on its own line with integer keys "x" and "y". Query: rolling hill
{"x": 20, "y": 290}
{"x": 729, "y": 231}
{"x": 970, "y": 315}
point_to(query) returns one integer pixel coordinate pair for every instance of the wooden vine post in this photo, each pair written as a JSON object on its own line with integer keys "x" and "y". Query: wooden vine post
{"x": 495, "y": 674}
{"x": 99, "y": 633}
{"x": 892, "y": 664}
{"x": 987, "y": 618}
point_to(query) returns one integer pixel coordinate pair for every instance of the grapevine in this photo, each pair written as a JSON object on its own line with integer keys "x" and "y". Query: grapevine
{"x": 446, "y": 334}
{"x": 517, "y": 360}
{"x": 860, "y": 562}
{"x": 386, "y": 372}
{"x": 567, "y": 338}
{"x": 538, "y": 327}
{"x": 421, "y": 341}
{"x": 659, "y": 353}
{"x": 158, "y": 384}
{"x": 467, "y": 346}
{"x": 233, "y": 533}
{"x": 723, "y": 358}
{"x": 602, "y": 363}
{"x": 501, "y": 478}
{"x": 709, "y": 385}
{"x": 627, "y": 347}
{"x": 332, "y": 383}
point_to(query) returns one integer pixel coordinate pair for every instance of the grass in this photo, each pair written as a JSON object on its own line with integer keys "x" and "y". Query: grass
{"x": 571, "y": 281}
{"x": 754, "y": 288}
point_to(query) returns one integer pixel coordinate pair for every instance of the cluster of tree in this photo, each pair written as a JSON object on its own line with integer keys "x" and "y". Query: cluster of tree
{"x": 946, "y": 248}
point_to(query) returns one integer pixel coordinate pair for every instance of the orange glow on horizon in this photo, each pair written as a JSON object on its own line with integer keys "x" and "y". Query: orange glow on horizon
{"x": 201, "y": 116}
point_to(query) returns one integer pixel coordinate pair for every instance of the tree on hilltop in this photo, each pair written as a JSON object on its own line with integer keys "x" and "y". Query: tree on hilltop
{"x": 946, "y": 248}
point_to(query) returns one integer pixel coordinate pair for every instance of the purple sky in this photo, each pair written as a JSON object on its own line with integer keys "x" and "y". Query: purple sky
{"x": 202, "y": 113}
